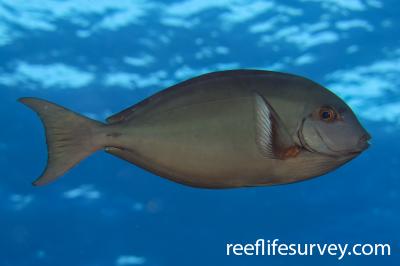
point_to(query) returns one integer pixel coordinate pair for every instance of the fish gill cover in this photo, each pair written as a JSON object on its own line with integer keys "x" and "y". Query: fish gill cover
{"x": 98, "y": 57}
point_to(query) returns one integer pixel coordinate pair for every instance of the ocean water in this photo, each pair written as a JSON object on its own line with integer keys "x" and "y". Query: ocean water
{"x": 98, "y": 57}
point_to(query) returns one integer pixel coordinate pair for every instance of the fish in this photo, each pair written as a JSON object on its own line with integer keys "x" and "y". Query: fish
{"x": 225, "y": 129}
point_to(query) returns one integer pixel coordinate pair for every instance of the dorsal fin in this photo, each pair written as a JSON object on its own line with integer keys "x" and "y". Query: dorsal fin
{"x": 272, "y": 137}
{"x": 128, "y": 112}
{"x": 231, "y": 74}
{"x": 121, "y": 116}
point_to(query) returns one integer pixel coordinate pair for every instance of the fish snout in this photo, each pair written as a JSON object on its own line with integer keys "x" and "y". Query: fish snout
{"x": 364, "y": 142}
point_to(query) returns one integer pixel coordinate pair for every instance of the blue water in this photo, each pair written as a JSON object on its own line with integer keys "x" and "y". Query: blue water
{"x": 98, "y": 57}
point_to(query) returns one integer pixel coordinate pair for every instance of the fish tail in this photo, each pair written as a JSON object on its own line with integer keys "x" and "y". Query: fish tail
{"x": 70, "y": 137}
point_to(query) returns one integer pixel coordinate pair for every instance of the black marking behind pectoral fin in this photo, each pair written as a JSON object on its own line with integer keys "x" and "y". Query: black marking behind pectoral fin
{"x": 272, "y": 137}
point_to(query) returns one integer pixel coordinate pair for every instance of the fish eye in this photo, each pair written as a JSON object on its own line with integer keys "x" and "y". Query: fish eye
{"x": 327, "y": 114}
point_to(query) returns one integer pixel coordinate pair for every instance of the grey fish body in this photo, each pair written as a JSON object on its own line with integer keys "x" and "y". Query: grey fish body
{"x": 228, "y": 129}
{"x": 203, "y": 133}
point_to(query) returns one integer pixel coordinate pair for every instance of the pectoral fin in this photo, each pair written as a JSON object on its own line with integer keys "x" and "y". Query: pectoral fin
{"x": 272, "y": 137}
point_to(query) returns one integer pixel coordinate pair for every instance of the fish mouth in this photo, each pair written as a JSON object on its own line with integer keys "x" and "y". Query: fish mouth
{"x": 363, "y": 144}
{"x": 353, "y": 153}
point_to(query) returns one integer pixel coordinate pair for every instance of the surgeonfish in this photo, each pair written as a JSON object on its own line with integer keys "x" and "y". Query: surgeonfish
{"x": 227, "y": 129}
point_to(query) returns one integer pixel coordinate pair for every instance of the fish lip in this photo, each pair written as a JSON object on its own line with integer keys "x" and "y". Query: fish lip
{"x": 363, "y": 144}
{"x": 364, "y": 147}
{"x": 366, "y": 137}
{"x": 354, "y": 153}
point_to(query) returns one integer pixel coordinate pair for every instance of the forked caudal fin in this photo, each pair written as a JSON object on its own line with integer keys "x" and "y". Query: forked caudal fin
{"x": 70, "y": 137}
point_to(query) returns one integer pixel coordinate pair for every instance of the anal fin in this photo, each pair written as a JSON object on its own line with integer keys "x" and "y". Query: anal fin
{"x": 122, "y": 153}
